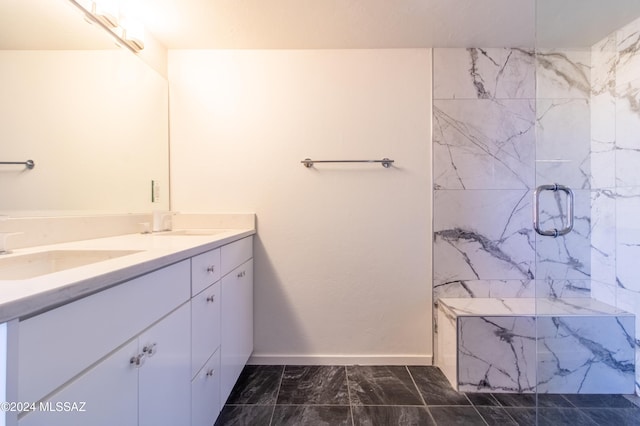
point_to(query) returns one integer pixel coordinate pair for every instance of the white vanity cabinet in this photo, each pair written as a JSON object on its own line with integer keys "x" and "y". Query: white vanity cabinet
{"x": 92, "y": 351}
{"x": 222, "y": 325}
{"x": 165, "y": 348}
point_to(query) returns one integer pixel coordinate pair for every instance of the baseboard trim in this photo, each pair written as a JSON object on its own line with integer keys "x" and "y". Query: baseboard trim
{"x": 270, "y": 359}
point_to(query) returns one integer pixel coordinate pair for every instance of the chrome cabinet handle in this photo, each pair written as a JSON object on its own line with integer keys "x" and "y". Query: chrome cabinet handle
{"x": 241, "y": 274}
{"x": 138, "y": 360}
{"x": 211, "y": 269}
{"x": 536, "y": 210}
{"x": 210, "y": 372}
{"x": 211, "y": 298}
{"x": 147, "y": 352}
{"x": 150, "y": 350}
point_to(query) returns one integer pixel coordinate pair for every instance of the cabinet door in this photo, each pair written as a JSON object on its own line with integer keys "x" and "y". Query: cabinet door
{"x": 165, "y": 376}
{"x": 236, "y": 325}
{"x": 109, "y": 391}
{"x": 205, "y": 326}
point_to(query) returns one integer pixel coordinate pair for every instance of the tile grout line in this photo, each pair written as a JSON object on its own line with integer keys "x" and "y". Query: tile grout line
{"x": 476, "y": 408}
{"x": 426, "y": 407}
{"x": 569, "y": 401}
{"x": 275, "y": 403}
{"x": 464, "y": 393}
{"x": 346, "y": 374}
{"x": 505, "y": 408}
{"x": 508, "y": 413}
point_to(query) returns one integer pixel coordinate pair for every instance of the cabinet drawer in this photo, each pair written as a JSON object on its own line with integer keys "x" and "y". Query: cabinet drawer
{"x": 205, "y": 326}
{"x": 57, "y": 345}
{"x": 205, "y": 393}
{"x": 235, "y": 254}
{"x": 205, "y": 270}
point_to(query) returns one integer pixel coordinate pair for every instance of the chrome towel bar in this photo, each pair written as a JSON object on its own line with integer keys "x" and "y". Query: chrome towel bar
{"x": 29, "y": 163}
{"x": 386, "y": 163}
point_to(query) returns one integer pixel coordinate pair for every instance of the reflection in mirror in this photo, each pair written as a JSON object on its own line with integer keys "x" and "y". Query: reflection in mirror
{"x": 91, "y": 115}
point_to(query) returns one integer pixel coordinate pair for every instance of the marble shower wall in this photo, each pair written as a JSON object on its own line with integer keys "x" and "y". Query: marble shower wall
{"x": 615, "y": 197}
{"x": 495, "y": 139}
{"x": 563, "y": 152}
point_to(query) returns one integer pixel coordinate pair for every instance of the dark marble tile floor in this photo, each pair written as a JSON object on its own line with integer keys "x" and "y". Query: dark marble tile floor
{"x": 398, "y": 396}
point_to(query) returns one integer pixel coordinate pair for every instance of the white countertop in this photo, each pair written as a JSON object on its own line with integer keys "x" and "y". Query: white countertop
{"x": 25, "y": 297}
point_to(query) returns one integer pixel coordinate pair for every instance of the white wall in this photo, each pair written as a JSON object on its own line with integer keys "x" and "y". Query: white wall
{"x": 342, "y": 256}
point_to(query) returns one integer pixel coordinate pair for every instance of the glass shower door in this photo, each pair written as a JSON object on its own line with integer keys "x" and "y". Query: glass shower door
{"x": 587, "y": 190}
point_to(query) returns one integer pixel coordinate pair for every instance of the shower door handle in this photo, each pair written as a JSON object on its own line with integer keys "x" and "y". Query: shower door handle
{"x": 536, "y": 210}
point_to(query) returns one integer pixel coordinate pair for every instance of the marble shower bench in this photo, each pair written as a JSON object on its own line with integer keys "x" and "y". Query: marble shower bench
{"x": 527, "y": 345}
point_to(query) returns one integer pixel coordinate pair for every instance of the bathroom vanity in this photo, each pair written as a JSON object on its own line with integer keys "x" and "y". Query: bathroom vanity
{"x": 155, "y": 335}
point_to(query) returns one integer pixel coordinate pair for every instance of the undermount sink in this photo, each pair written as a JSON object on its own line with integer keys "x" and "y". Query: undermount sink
{"x": 32, "y": 265}
{"x": 192, "y": 232}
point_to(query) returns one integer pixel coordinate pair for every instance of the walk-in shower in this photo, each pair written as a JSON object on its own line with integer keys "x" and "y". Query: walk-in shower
{"x": 536, "y": 198}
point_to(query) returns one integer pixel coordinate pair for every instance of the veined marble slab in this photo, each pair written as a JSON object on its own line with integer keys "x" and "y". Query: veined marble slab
{"x": 483, "y": 73}
{"x": 483, "y": 144}
{"x": 563, "y": 74}
{"x": 579, "y": 306}
{"x": 527, "y": 345}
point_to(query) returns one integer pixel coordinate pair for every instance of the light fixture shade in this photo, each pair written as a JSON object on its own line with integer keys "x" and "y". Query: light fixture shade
{"x": 133, "y": 32}
{"x": 106, "y": 11}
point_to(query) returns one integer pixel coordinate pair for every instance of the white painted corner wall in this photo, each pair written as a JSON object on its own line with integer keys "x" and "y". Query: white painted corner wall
{"x": 343, "y": 252}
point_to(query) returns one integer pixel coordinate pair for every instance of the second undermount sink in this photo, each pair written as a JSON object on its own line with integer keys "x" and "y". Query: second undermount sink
{"x": 22, "y": 267}
{"x": 192, "y": 232}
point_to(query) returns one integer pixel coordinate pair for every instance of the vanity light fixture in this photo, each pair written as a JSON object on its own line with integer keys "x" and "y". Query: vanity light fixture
{"x": 133, "y": 32}
{"x": 105, "y": 13}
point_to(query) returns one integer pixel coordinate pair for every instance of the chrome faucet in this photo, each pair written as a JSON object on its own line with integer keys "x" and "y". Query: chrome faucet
{"x": 4, "y": 237}
{"x": 161, "y": 221}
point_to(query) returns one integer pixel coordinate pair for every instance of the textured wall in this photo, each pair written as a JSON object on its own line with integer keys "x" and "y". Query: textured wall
{"x": 342, "y": 254}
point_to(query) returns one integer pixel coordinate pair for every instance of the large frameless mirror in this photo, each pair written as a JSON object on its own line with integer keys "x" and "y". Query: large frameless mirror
{"x": 91, "y": 115}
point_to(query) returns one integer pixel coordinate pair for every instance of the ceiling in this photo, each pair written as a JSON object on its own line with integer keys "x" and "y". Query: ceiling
{"x": 317, "y": 24}
{"x": 313, "y": 24}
